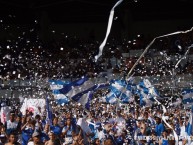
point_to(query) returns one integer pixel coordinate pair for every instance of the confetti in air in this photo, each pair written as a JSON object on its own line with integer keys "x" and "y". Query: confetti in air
{"x": 151, "y": 43}
{"x": 139, "y": 59}
{"x": 108, "y": 30}
{"x": 183, "y": 56}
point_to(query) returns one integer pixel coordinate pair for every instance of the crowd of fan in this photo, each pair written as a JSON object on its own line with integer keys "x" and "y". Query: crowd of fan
{"x": 104, "y": 124}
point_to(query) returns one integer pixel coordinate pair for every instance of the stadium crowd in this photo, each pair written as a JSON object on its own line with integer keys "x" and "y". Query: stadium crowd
{"x": 108, "y": 124}
{"x": 28, "y": 57}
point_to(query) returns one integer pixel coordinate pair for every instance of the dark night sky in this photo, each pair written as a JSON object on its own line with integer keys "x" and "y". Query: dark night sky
{"x": 63, "y": 11}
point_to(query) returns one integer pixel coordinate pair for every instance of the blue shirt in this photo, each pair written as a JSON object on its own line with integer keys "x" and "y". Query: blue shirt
{"x": 26, "y": 135}
{"x": 56, "y": 129}
{"x": 44, "y": 137}
{"x": 165, "y": 142}
{"x": 159, "y": 129}
{"x": 69, "y": 132}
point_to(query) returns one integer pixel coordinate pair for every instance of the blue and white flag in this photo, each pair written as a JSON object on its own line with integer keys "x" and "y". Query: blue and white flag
{"x": 121, "y": 91}
{"x": 146, "y": 92}
{"x": 77, "y": 87}
{"x": 81, "y": 90}
{"x": 85, "y": 100}
{"x": 187, "y": 97}
{"x": 110, "y": 98}
{"x": 55, "y": 86}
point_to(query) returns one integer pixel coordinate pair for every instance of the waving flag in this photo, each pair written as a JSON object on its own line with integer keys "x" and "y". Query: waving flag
{"x": 55, "y": 86}
{"x": 187, "y": 97}
{"x": 85, "y": 100}
{"x": 110, "y": 98}
{"x": 77, "y": 87}
{"x": 146, "y": 92}
{"x": 120, "y": 90}
{"x": 81, "y": 90}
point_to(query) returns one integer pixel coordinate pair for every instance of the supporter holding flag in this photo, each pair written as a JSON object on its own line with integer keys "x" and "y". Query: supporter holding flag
{"x": 83, "y": 125}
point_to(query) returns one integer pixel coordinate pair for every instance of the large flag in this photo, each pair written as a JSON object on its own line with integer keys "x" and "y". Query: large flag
{"x": 77, "y": 87}
{"x": 146, "y": 92}
{"x": 120, "y": 90}
{"x": 55, "y": 86}
{"x": 81, "y": 90}
{"x": 85, "y": 100}
{"x": 187, "y": 97}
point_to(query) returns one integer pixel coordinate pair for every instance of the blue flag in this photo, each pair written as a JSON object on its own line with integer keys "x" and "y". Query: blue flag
{"x": 55, "y": 86}
{"x": 120, "y": 90}
{"x": 81, "y": 91}
{"x": 187, "y": 96}
{"x": 146, "y": 92}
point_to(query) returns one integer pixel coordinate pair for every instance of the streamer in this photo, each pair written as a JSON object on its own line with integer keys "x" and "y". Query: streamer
{"x": 108, "y": 30}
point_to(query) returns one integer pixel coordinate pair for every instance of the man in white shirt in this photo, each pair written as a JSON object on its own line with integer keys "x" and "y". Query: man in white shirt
{"x": 120, "y": 122}
{"x": 83, "y": 124}
{"x": 183, "y": 133}
{"x": 11, "y": 125}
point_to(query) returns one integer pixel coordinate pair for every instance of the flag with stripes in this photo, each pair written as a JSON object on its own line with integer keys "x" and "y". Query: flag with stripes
{"x": 55, "y": 86}
{"x": 81, "y": 90}
{"x": 146, "y": 92}
{"x": 120, "y": 90}
{"x": 187, "y": 97}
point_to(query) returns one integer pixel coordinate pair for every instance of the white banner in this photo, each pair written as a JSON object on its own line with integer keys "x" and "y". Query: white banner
{"x": 33, "y": 105}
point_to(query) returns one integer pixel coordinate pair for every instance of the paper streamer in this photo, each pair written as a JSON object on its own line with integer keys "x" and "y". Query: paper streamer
{"x": 183, "y": 56}
{"x": 146, "y": 49}
{"x": 164, "y": 119}
{"x": 108, "y": 30}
